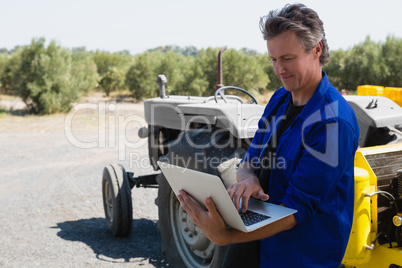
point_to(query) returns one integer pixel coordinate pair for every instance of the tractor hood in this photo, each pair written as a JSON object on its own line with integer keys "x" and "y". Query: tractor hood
{"x": 179, "y": 112}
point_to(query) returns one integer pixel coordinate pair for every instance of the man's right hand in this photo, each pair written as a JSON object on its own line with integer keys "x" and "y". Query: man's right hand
{"x": 247, "y": 186}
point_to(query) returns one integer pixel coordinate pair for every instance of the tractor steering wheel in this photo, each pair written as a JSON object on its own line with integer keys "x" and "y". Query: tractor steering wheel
{"x": 253, "y": 99}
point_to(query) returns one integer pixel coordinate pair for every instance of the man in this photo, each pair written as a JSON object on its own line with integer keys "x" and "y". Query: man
{"x": 310, "y": 127}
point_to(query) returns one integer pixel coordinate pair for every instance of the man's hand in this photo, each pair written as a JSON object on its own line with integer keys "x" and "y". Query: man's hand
{"x": 248, "y": 185}
{"x": 244, "y": 189}
{"x": 209, "y": 221}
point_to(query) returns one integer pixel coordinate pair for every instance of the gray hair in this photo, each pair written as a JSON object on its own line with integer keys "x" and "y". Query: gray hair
{"x": 304, "y": 21}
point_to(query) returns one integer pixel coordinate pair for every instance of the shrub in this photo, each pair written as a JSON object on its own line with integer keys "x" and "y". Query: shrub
{"x": 140, "y": 78}
{"x": 112, "y": 68}
{"x": 45, "y": 78}
{"x": 84, "y": 75}
{"x": 4, "y": 58}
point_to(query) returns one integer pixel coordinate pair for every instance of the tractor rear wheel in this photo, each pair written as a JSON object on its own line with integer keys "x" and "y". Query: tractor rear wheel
{"x": 184, "y": 244}
{"x": 117, "y": 201}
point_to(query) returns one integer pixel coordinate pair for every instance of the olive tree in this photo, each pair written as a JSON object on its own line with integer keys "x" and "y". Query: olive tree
{"x": 140, "y": 77}
{"x": 48, "y": 79}
{"x": 84, "y": 75}
{"x": 4, "y": 59}
{"x": 392, "y": 55}
{"x": 368, "y": 62}
{"x": 111, "y": 69}
{"x": 41, "y": 77}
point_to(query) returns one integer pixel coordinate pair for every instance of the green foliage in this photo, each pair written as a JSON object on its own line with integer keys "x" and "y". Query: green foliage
{"x": 45, "y": 78}
{"x": 240, "y": 68}
{"x": 7, "y": 74}
{"x": 112, "y": 68}
{"x": 195, "y": 82}
{"x": 112, "y": 80}
{"x": 83, "y": 71}
{"x": 174, "y": 66}
{"x": 4, "y": 59}
{"x": 368, "y": 63}
{"x": 206, "y": 65}
{"x": 365, "y": 64}
{"x": 392, "y": 56}
{"x": 140, "y": 77}
{"x": 41, "y": 76}
{"x": 49, "y": 78}
{"x": 183, "y": 73}
{"x": 243, "y": 71}
{"x": 196, "y": 73}
{"x": 336, "y": 70}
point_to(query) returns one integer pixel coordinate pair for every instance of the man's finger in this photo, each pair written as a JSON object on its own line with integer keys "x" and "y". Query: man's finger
{"x": 183, "y": 204}
{"x": 186, "y": 202}
{"x": 231, "y": 191}
{"x": 237, "y": 195}
{"x": 209, "y": 203}
{"x": 262, "y": 196}
{"x": 245, "y": 198}
{"x": 244, "y": 203}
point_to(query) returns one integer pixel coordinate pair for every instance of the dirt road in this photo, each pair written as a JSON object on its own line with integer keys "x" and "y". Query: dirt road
{"x": 51, "y": 211}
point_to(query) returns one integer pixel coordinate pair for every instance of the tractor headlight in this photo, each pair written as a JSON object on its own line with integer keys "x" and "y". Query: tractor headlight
{"x": 397, "y": 220}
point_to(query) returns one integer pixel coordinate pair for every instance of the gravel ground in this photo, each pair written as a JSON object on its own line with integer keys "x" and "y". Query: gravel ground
{"x": 50, "y": 189}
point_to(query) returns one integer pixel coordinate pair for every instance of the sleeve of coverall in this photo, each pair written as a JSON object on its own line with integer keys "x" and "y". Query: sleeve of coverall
{"x": 328, "y": 148}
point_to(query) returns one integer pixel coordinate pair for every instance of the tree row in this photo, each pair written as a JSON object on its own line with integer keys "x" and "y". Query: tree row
{"x": 50, "y": 78}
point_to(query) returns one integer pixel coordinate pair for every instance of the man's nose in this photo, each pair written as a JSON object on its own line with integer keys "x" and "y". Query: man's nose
{"x": 280, "y": 68}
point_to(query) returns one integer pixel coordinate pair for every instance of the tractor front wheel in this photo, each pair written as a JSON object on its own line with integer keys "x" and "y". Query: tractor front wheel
{"x": 184, "y": 244}
{"x": 117, "y": 201}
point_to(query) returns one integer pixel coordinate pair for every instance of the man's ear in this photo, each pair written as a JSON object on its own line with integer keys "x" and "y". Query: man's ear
{"x": 318, "y": 49}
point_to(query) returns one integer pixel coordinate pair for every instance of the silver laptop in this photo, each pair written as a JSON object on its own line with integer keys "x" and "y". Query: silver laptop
{"x": 202, "y": 185}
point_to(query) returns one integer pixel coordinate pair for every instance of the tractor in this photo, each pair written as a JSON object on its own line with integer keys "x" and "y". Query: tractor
{"x": 212, "y": 134}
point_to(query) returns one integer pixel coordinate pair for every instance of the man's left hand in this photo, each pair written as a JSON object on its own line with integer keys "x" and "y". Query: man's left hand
{"x": 209, "y": 221}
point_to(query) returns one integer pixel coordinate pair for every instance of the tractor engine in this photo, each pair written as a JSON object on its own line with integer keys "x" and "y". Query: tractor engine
{"x": 376, "y": 235}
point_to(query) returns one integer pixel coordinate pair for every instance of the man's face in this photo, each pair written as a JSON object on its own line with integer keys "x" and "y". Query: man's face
{"x": 295, "y": 67}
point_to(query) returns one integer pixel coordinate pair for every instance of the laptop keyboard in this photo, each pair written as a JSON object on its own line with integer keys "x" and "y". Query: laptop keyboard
{"x": 250, "y": 217}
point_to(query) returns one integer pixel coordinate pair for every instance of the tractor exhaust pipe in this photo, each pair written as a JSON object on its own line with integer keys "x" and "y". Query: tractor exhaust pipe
{"x": 161, "y": 80}
{"x": 219, "y": 85}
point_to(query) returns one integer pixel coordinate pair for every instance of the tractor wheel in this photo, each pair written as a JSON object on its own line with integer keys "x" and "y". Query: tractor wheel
{"x": 184, "y": 244}
{"x": 117, "y": 201}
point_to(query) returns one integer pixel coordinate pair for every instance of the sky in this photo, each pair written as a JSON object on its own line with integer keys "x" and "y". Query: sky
{"x": 139, "y": 25}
